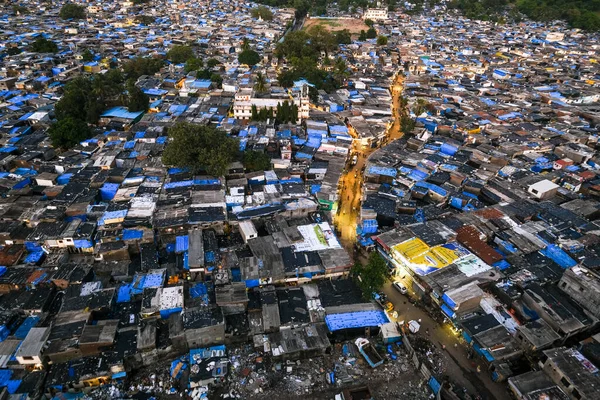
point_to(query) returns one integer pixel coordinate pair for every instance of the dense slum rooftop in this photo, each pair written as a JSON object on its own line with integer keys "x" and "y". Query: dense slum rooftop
{"x": 485, "y": 202}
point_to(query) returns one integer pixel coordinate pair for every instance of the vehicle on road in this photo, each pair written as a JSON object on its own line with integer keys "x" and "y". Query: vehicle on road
{"x": 399, "y": 286}
{"x": 354, "y": 160}
{"x": 381, "y": 299}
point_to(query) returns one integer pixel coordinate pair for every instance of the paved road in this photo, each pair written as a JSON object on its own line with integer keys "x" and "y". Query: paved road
{"x": 459, "y": 368}
{"x": 351, "y": 182}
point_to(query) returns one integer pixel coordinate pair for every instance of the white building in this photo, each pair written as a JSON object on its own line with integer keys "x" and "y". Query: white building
{"x": 376, "y": 14}
{"x": 248, "y": 230}
{"x": 30, "y": 351}
{"x": 543, "y": 189}
{"x": 245, "y": 99}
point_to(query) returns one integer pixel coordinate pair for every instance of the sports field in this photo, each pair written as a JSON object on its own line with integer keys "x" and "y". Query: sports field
{"x": 354, "y": 25}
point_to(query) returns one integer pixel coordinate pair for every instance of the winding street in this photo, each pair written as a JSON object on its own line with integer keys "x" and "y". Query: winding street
{"x": 459, "y": 368}
{"x": 350, "y": 184}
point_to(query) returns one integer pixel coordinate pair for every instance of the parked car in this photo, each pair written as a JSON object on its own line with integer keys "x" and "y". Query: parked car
{"x": 400, "y": 287}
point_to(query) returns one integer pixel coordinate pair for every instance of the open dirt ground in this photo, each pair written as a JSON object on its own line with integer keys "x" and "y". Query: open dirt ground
{"x": 354, "y": 25}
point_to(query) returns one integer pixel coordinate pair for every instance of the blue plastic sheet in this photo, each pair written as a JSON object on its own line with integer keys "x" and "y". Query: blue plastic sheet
{"x": 557, "y": 255}
{"x": 359, "y": 319}
{"x": 182, "y": 243}
{"x": 132, "y": 234}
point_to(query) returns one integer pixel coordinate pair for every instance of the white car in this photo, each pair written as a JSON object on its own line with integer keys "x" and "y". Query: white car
{"x": 400, "y": 287}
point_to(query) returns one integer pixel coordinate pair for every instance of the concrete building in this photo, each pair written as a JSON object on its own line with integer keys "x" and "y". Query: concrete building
{"x": 573, "y": 373}
{"x": 30, "y": 351}
{"x": 583, "y": 286}
{"x": 376, "y": 14}
{"x": 246, "y": 98}
{"x": 543, "y": 190}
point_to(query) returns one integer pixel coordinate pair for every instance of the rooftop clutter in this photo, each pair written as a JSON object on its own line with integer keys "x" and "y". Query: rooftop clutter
{"x": 488, "y": 206}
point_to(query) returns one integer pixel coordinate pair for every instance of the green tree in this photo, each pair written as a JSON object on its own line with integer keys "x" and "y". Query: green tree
{"x": 67, "y": 132}
{"x": 87, "y": 55}
{"x": 286, "y": 79}
{"x": 212, "y": 62}
{"x": 256, "y": 161}
{"x": 43, "y": 45}
{"x": 363, "y": 36}
{"x": 74, "y": 99}
{"x": 369, "y": 22}
{"x": 217, "y": 80}
{"x": 13, "y": 51}
{"x": 296, "y": 44}
{"x": 193, "y": 64}
{"x": 139, "y": 66}
{"x": 382, "y": 40}
{"x": 19, "y": 9}
{"x": 204, "y": 74}
{"x": 145, "y": 19}
{"x": 86, "y": 97}
{"x": 262, "y": 12}
{"x": 313, "y": 94}
{"x": 72, "y": 11}
{"x": 372, "y": 276}
{"x": 245, "y": 44}
{"x": 343, "y": 37}
{"x": 260, "y": 83}
{"x": 371, "y": 33}
{"x": 200, "y": 148}
{"x": 321, "y": 39}
{"x": 137, "y": 99}
{"x": 301, "y": 7}
{"x": 249, "y": 57}
{"x": 254, "y": 112}
{"x": 407, "y": 124}
{"x": 340, "y": 71}
{"x": 179, "y": 54}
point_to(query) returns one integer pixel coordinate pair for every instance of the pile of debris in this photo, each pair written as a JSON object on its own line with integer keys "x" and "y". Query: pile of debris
{"x": 254, "y": 376}
{"x": 429, "y": 354}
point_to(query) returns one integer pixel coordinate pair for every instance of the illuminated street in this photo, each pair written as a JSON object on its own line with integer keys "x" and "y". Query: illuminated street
{"x": 350, "y": 183}
{"x": 459, "y": 367}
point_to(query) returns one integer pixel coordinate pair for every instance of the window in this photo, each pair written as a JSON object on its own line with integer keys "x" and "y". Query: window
{"x": 534, "y": 191}
{"x": 564, "y": 284}
{"x": 27, "y": 358}
{"x": 576, "y": 394}
{"x": 565, "y": 382}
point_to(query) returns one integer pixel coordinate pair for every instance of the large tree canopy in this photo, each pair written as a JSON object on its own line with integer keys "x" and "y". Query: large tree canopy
{"x": 72, "y": 11}
{"x": 249, "y": 57}
{"x": 372, "y": 276}
{"x": 256, "y": 161}
{"x": 142, "y": 66}
{"x": 263, "y": 12}
{"x": 200, "y": 148}
{"x": 43, "y": 45}
{"x": 67, "y": 132}
{"x": 180, "y": 54}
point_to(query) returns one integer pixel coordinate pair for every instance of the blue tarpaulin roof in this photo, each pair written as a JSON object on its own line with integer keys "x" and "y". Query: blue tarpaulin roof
{"x": 557, "y": 255}
{"x": 121, "y": 112}
{"x": 386, "y": 171}
{"x": 132, "y": 234}
{"x": 359, "y": 319}
{"x": 182, "y": 243}
{"x": 26, "y": 326}
{"x": 446, "y": 310}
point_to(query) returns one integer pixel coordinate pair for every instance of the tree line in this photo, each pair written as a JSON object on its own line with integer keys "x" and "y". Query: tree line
{"x": 85, "y": 98}
{"x": 285, "y": 113}
{"x": 206, "y": 149}
{"x": 582, "y": 14}
{"x": 307, "y": 52}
